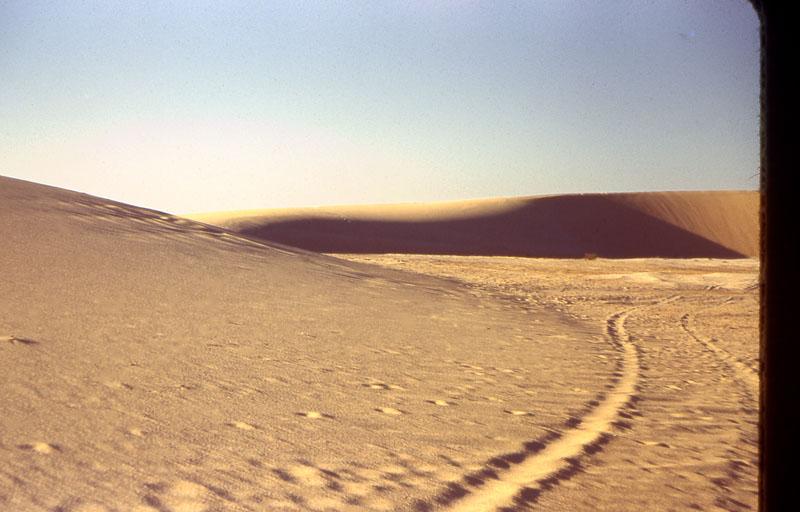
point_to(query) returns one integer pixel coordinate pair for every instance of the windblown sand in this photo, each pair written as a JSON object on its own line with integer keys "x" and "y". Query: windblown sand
{"x": 152, "y": 363}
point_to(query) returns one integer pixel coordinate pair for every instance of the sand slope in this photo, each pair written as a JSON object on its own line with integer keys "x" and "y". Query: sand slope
{"x": 152, "y": 363}
{"x": 155, "y": 364}
{"x": 720, "y": 224}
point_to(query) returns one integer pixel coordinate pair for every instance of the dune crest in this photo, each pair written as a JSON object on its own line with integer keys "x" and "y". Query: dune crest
{"x": 713, "y": 224}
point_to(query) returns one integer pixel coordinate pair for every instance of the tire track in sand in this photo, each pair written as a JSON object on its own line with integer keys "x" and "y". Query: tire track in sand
{"x": 743, "y": 372}
{"x": 545, "y": 463}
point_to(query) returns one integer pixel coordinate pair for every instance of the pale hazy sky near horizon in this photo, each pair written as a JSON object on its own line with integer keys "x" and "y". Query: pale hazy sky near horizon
{"x": 202, "y": 106}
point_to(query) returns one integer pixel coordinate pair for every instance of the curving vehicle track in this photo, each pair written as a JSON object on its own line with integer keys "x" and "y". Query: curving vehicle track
{"x": 678, "y": 428}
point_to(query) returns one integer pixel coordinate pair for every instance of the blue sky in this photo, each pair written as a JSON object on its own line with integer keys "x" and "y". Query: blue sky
{"x": 229, "y": 105}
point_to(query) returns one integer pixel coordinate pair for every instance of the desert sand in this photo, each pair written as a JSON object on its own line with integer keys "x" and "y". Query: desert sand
{"x": 154, "y": 363}
{"x": 684, "y": 432}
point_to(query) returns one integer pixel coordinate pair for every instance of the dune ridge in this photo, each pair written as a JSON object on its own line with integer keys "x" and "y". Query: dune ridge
{"x": 713, "y": 224}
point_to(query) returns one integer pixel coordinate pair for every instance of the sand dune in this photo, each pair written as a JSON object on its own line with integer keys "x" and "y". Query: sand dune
{"x": 720, "y": 224}
{"x": 150, "y": 361}
{"x": 153, "y": 363}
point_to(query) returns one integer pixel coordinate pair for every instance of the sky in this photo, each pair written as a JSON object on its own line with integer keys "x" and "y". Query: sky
{"x": 205, "y": 106}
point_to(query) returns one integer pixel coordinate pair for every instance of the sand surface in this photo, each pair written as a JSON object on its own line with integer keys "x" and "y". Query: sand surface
{"x": 687, "y": 437}
{"x": 718, "y": 224}
{"x": 152, "y": 363}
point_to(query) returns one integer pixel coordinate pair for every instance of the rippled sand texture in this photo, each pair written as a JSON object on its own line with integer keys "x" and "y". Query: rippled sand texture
{"x": 152, "y": 363}
{"x": 686, "y": 439}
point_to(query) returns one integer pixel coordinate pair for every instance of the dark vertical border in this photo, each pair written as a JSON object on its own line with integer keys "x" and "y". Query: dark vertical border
{"x": 779, "y": 427}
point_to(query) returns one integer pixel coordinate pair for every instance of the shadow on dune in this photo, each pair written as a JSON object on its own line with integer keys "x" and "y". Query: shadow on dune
{"x": 558, "y": 227}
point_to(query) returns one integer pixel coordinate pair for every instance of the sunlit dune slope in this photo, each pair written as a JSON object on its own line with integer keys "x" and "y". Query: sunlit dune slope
{"x": 719, "y": 224}
{"x": 148, "y": 360}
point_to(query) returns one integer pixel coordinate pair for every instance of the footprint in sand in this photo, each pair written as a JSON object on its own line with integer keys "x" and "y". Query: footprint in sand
{"x": 307, "y": 476}
{"x": 117, "y": 385}
{"x": 516, "y": 412}
{"x": 315, "y": 415}
{"x": 180, "y": 495}
{"x": 39, "y": 447}
{"x": 440, "y": 403}
{"x": 242, "y": 425}
{"x": 17, "y": 340}
{"x": 659, "y": 444}
{"x": 393, "y": 471}
{"x": 383, "y": 386}
{"x": 389, "y": 410}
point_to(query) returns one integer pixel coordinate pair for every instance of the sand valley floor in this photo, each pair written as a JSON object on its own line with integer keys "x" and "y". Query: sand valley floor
{"x": 687, "y": 437}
